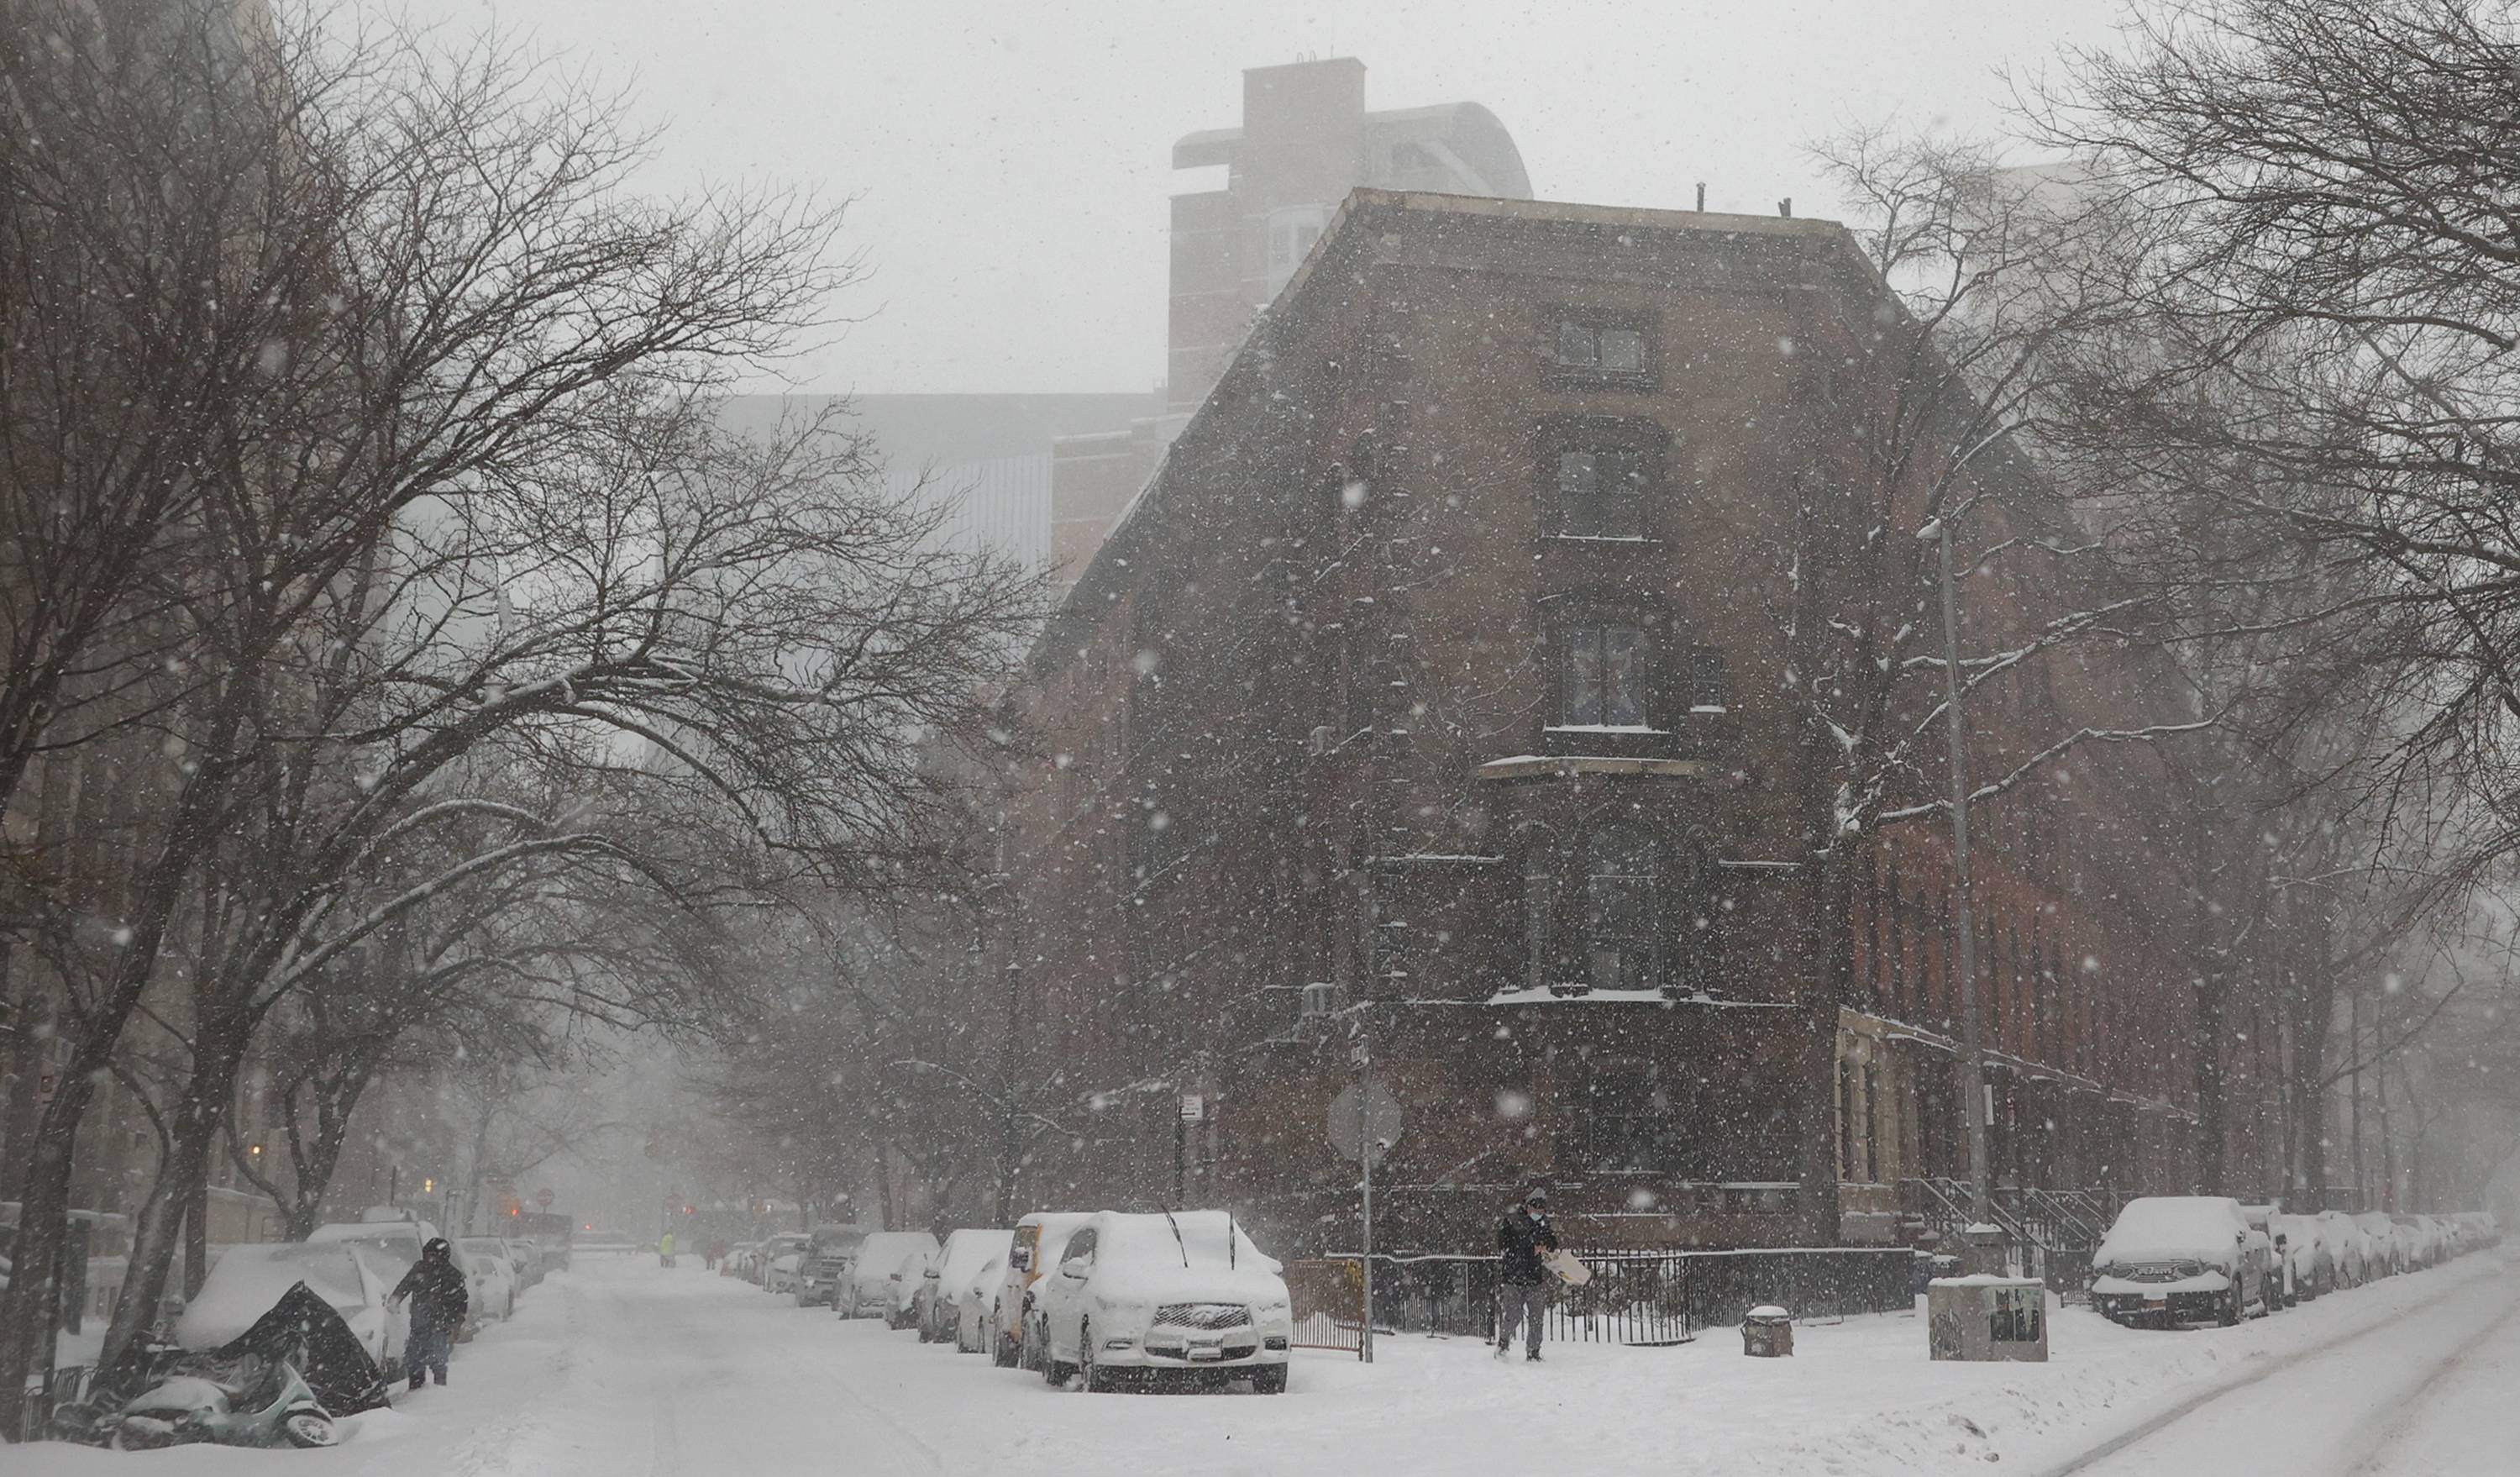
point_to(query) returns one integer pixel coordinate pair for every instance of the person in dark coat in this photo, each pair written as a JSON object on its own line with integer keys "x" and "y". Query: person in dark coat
{"x": 1522, "y": 1281}
{"x": 439, "y": 1302}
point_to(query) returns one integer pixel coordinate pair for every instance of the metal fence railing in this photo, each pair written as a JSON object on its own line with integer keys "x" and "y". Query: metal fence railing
{"x": 1635, "y": 1298}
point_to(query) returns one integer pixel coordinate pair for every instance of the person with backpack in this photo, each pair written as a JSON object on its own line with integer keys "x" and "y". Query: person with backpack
{"x": 439, "y": 1302}
{"x": 1523, "y": 1236}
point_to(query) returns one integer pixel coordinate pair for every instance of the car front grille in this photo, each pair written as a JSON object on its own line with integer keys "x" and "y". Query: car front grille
{"x": 1204, "y": 1315}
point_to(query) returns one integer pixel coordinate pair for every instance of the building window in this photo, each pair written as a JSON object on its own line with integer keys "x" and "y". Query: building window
{"x": 1599, "y": 476}
{"x": 1636, "y": 1116}
{"x": 1619, "y": 910}
{"x": 1605, "y": 676}
{"x": 1710, "y": 680}
{"x": 1594, "y": 347}
{"x": 1600, "y": 495}
{"x": 1292, "y": 230}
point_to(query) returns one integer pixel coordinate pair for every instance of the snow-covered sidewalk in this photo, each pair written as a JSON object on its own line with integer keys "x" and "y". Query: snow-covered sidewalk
{"x": 623, "y": 1369}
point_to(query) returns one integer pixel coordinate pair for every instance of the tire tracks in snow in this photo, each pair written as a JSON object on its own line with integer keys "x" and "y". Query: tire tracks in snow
{"x": 2212, "y": 1394}
{"x": 2386, "y": 1430}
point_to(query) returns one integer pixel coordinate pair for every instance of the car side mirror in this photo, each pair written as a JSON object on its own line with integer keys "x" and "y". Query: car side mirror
{"x": 1074, "y": 1267}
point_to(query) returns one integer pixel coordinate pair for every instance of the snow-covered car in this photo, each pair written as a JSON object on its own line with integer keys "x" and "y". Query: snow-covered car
{"x": 2173, "y": 1259}
{"x": 2420, "y": 1238}
{"x": 397, "y": 1242}
{"x": 248, "y": 1279}
{"x": 602, "y": 1242}
{"x": 1179, "y": 1294}
{"x": 886, "y": 1260}
{"x": 790, "y": 1245}
{"x": 1031, "y": 1252}
{"x": 780, "y": 1275}
{"x": 826, "y": 1263}
{"x": 2344, "y": 1243}
{"x": 489, "y": 1277}
{"x": 526, "y": 1257}
{"x": 2478, "y": 1230}
{"x": 975, "y": 1306}
{"x": 938, "y": 1302}
{"x": 2384, "y": 1251}
{"x": 2311, "y": 1262}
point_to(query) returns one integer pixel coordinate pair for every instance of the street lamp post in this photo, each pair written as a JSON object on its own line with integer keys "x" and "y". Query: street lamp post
{"x": 1972, "y": 1061}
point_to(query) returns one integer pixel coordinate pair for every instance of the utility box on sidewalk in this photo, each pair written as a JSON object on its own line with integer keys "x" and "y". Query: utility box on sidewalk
{"x": 1987, "y": 1318}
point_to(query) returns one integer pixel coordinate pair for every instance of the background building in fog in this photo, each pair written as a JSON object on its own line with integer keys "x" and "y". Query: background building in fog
{"x": 1041, "y": 477}
{"x": 1305, "y": 141}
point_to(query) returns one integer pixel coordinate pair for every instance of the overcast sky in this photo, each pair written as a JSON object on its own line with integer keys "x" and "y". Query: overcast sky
{"x": 1010, "y": 158}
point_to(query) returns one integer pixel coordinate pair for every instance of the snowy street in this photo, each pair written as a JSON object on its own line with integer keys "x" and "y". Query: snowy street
{"x": 620, "y": 1368}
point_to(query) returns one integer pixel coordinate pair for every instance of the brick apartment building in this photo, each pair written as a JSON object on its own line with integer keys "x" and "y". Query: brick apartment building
{"x": 1427, "y": 692}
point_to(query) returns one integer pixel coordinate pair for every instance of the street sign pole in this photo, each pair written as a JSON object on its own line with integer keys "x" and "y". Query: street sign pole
{"x": 1365, "y": 1123}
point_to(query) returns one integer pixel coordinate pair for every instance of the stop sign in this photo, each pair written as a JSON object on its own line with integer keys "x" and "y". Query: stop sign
{"x": 543, "y": 1198}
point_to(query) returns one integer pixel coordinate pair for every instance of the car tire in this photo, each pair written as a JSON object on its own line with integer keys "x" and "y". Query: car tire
{"x": 1268, "y": 1379}
{"x": 311, "y": 1428}
{"x": 2233, "y": 1305}
{"x": 1053, "y": 1372}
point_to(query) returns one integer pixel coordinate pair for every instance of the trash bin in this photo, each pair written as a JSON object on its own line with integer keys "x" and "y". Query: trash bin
{"x": 1767, "y": 1332}
{"x": 1987, "y": 1318}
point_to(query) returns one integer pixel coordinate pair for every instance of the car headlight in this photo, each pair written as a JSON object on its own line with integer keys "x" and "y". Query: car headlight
{"x": 2194, "y": 1269}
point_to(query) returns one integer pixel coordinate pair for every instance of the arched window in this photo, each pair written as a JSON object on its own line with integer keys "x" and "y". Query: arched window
{"x": 1621, "y": 882}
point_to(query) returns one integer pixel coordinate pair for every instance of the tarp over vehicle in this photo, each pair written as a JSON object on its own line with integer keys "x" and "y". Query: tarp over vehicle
{"x": 308, "y": 1332}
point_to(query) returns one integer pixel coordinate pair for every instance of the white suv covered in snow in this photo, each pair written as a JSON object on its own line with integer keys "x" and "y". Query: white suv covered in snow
{"x": 2173, "y": 1259}
{"x": 1138, "y": 1297}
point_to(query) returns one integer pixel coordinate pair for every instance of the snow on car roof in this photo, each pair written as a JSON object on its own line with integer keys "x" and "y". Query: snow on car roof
{"x": 886, "y": 1250}
{"x": 966, "y": 1251}
{"x": 1201, "y": 1241}
{"x": 2172, "y": 1228}
{"x": 249, "y": 1279}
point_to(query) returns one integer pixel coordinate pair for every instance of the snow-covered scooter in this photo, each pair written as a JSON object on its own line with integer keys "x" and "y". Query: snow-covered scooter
{"x": 245, "y": 1402}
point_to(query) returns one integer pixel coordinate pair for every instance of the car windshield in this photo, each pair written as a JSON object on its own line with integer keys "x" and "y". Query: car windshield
{"x": 1201, "y": 1246}
{"x": 839, "y": 1240}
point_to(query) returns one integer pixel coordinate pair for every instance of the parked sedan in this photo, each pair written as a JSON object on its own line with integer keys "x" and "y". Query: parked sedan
{"x": 2307, "y": 1268}
{"x": 950, "y": 1271}
{"x": 780, "y": 1256}
{"x": 246, "y": 1280}
{"x": 886, "y": 1261}
{"x": 2384, "y": 1250}
{"x": 2173, "y": 1259}
{"x": 2345, "y": 1244}
{"x": 490, "y": 1278}
{"x": 1182, "y": 1295}
{"x": 975, "y": 1307}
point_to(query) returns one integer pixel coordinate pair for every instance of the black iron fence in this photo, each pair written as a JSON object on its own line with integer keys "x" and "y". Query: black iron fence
{"x": 1635, "y": 1298}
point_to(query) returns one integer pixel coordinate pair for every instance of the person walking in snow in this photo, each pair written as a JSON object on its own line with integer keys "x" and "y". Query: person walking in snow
{"x": 666, "y": 1249}
{"x": 438, "y": 1303}
{"x": 1522, "y": 1281}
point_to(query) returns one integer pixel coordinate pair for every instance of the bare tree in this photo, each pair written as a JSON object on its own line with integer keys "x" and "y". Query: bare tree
{"x": 2312, "y": 444}
{"x": 721, "y": 657}
{"x": 453, "y": 276}
{"x": 1919, "y": 415}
